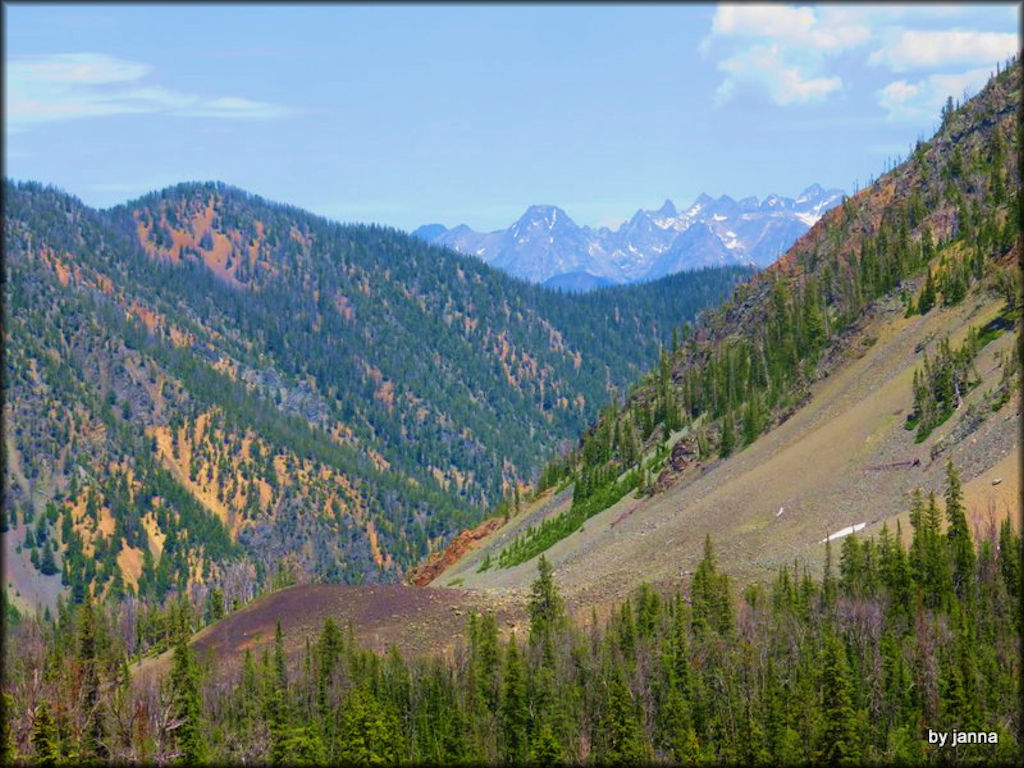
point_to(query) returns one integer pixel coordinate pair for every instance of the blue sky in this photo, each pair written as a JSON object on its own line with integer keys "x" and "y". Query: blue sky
{"x": 406, "y": 115}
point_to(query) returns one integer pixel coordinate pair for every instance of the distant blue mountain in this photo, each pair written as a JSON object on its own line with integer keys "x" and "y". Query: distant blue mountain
{"x": 429, "y": 232}
{"x": 576, "y": 282}
{"x": 545, "y": 243}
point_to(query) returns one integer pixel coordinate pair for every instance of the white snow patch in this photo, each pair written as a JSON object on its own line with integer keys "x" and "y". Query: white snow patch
{"x": 844, "y": 532}
{"x": 809, "y": 219}
{"x": 719, "y": 217}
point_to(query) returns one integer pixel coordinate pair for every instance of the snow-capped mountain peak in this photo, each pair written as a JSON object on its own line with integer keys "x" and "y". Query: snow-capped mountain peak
{"x": 546, "y": 213}
{"x": 545, "y": 242}
{"x": 813, "y": 192}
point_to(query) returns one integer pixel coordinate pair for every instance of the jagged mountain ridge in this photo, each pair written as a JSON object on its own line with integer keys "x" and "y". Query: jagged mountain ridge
{"x": 253, "y": 382}
{"x": 545, "y": 243}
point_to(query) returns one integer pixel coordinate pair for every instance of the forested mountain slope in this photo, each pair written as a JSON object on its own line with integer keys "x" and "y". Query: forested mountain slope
{"x": 200, "y": 383}
{"x": 886, "y": 340}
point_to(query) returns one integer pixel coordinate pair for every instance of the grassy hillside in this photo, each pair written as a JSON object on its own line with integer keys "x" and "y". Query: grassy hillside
{"x": 842, "y": 459}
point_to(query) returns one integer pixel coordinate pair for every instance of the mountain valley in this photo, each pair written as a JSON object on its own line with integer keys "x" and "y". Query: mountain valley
{"x": 283, "y": 490}
{"x": 256, "y": 388}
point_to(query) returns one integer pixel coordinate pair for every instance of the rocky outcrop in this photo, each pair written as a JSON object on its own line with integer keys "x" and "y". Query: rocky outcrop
{"x": 438, "y": 562}
{"x": 684, "y": 454}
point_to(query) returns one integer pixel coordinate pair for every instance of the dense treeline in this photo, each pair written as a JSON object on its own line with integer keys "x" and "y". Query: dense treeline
{"x": 939, "y": 225}
{"x": 853, "y": 667}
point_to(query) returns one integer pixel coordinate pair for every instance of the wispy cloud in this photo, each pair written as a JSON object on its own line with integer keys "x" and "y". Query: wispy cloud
{"x": 796, "y": 25}
{"x": 923, "y": 99}
{"x": 789, "y": 46}
{"x": 71, "y": 86}
{"x": 764, "y": 66}
{"x": 237, "y": 108}
{"x": 789, "y": 51}
{"x": 925, "y": 49}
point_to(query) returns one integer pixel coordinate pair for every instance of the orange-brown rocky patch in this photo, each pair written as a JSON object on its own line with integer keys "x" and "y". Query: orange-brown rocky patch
{"x": 460, "y": 545}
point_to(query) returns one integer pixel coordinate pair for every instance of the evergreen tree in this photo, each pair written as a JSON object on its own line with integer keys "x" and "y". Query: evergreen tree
{"x": 486, "y": 656}
{"x": 514, "y": 708}
{"x": 248, "y": 691}
{"x": 838, "y": 742}
{"x": 214, "y": 605}
{"x": 47, "y": 563}
{"x": 8, "y": 749}
{"x": 709, "y": 594}
{"x": 675, "y": 721}
{"x": 620, "y": 734}
{"x": 186, "y": 704}
{"x": 927, "y": 300}
{"x": 276, "y": 704}
{"x": 329, "y": 647}
{"x": 546, "y": 607}
{"x": 303, "y": 746}
{"x": 961, "y": 548}
{"x": 545, "y": 749}
{"x": 752, "y": 418}
{"x": 728, "y": 440}
{"x": 815, "y": 333}
{"x": 44, "y": 737}
{"x": 93, "y": 736}
{"x": 368, "y": 732}
{"x": 894, "y": 568}
{"x": 929, "y": 563}
{"x": 1010, "y": 566}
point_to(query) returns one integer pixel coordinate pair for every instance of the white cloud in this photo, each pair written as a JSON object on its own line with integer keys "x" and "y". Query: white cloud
{"x": 923, "y": 99}
{"x": 796, "y": 25}
{"x": 233, "y": 107}
{"x": 789, "y": 46}
{"x": 789, "y": 51}
{"x": 936, "y": 48}
{"x": 86, "y": 68}
{"x": 70, "y": 86}
{"x": 763, "y": 66}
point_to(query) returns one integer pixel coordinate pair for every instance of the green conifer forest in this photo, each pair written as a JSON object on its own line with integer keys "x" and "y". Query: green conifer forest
{"x": 851, "y": 668}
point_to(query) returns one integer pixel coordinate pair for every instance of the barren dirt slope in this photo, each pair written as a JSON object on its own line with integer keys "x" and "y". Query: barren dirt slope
{"x": 820, "y": 471}
{"x": 415, "y": 621}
